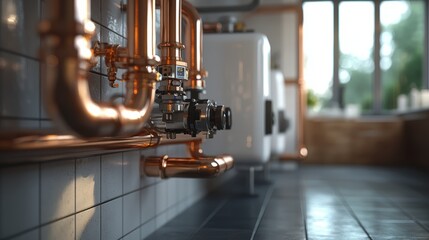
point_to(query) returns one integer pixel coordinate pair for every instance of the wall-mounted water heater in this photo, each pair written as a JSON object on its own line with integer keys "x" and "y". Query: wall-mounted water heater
{"x": 238, "y": 66}
{"x": 281, "y": 123}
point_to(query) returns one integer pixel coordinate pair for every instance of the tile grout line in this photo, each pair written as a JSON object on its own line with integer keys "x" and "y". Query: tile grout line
{"x": 18, "y": 54}
{"x": 215, "y": 211}
{"x": 349, "y": 209}
{"x": 122, "y": 195}
{"x": 40, "y": 201}
{"x": 408, "y": 215}
{"x": 267, "y": 198}
{"x": 303, "y": 204}
{"x": 101, "y": 189}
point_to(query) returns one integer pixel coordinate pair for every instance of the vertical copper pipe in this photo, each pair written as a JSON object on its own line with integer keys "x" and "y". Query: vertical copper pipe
{"x": 66, "y": 51}
{"x": 141, "y": 37}
{"x": 171, "y": 29}
{"x": 194, "y": 46}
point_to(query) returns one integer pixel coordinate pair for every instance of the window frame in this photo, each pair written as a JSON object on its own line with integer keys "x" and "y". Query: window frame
{"x": 377, "y": 108}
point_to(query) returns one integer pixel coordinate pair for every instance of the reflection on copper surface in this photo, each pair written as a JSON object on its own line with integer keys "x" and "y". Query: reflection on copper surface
{"x": 197, "y": 166}
{"x": 194, "y": 47}
{"x": 67, "y": 93}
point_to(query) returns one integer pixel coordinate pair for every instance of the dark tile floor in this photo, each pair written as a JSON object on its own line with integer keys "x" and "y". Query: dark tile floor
{"x": 312, "y": 202}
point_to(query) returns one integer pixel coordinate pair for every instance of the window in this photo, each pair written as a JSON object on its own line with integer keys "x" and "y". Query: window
{"x": 348, "y": 62}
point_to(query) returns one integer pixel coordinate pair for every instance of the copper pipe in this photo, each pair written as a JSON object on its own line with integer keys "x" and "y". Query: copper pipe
{"x": 194, "y": 47}
{"x": 213, "y": 27}
{"x": 141, "y": 39}
{"x": 197, "y": 166}
{"x": 171, "y": 33}
{"x": 17, "y": 148}
{"x": 36, "y": 146}
{"x": 66, "y": 53}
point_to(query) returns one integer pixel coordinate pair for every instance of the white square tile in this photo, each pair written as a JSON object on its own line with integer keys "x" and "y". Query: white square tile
{"x": 181, "y": 189}
{"x": 88, "y": 182}
{"x": 95, "y": 10}
{"x": 131, "y": 211}
{"x": 171, "y": 192}
{"x": 19, "y": 86}
{"x": 111, "y": 219}
{"x": 19, "y": 199}
{"x": 147, "y": 229}
{"x": 16, "y": 124}
{"x": 111, "y": 176}
{"x": 161, "y": 191}
{"x": 148, "y": 203}
{"x": 145, "y": 180}
{"x": 58, "y": 189}
{"x": 32, "y": 235}
{"x": 21, "y": 36}
{"x": 88, "y": 224}
{"x": 97, "y": 37}
{"x": 111, "y": 15}
{"x": 46, "y": 124}
{"x": 161, "y": 219}
{"x": 134, "y": 235}
{"x": 63, "y": 229}
{"x": 110, "y": 94}
{"x": 131, "y": 171}
{"x": 94, "y": 84}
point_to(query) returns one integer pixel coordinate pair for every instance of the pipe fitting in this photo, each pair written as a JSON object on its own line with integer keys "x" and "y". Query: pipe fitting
{"x": 67, "y": 54}
{"x": 197, "y": 166}
{"x": 167, "y": 167}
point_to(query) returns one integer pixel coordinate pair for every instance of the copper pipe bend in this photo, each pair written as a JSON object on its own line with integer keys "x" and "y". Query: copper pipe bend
{"x": 66, "y": 53}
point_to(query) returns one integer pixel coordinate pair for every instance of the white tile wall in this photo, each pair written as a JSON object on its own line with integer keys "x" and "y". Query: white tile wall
{"x": 19, "y": 199}
{"x": 135, "y": 235}
{"x": 161, "y": 192}
{"x": 148, "y": 204}
{"x": 99, "y": 197}
{"x": 111, "y": 219}
{"x": 57, "y": 190}
{"x": 147, "y": 229}
{"x": 131, "y": 173}
{"x": 32, "y": 235}
{"x": 111, "y": 176}
{"x": 11, "y": 124}
{"x": 19, "y": 79}
{"x": 112, "y": 17}
{"x": 63, "y": 229}
{"x": 20, "y": 34}
{"x": 88, "y": 224}
{"x": 131, "y": 208}
{"x": 88, "y": 182}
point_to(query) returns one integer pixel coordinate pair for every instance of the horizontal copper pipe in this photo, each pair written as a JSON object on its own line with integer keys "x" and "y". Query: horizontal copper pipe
{"x": 66, "y": 54}
{"x": 197, "y": 166}
{"x": 212, "y": 27}
{"x": 37, "y": 146}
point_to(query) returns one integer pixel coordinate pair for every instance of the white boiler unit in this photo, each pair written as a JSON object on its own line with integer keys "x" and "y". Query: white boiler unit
{"x": 278, "y": 95}
{"x": 238, "y": 66}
